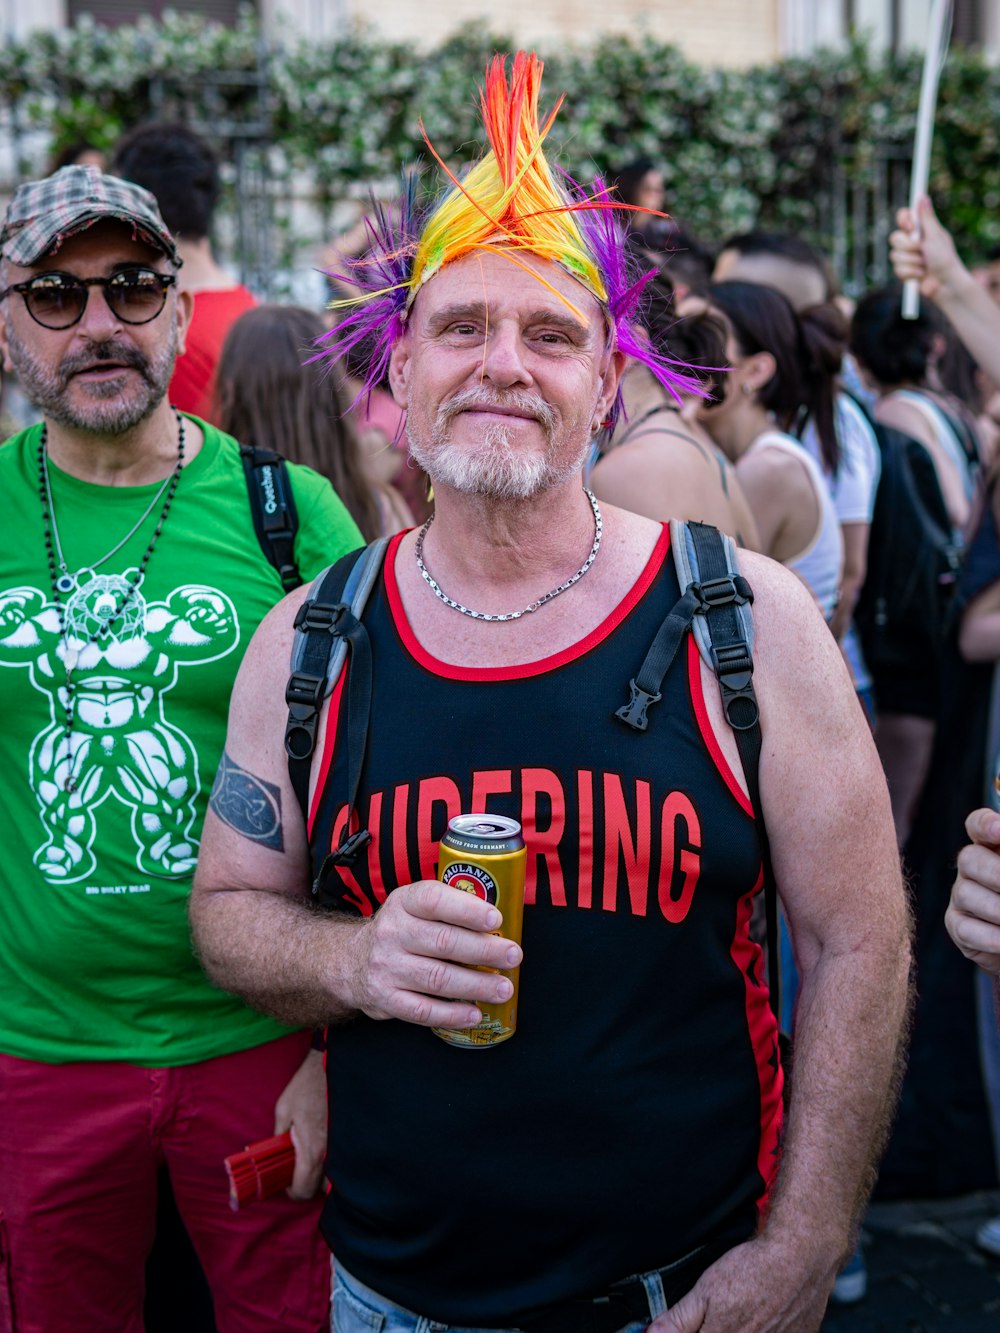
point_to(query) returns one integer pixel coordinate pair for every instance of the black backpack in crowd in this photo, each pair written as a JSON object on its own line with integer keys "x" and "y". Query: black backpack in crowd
{"x": 913, "y": 561}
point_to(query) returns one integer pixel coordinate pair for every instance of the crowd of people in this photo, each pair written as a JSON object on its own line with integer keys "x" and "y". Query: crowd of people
{"x": 535, "y": 394}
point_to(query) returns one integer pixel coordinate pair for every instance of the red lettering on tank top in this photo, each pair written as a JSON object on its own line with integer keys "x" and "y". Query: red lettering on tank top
{"x": 486, "y": 783}
{"x": 585, "y": 807}
{"x": 543, "y": 843}
{"x": 401, "y": 860}
{"x": 634, "y": 846}
{"x": 373, "y": 825}
{"x": 677, "y": 808}
{"x": 434, "y": 792}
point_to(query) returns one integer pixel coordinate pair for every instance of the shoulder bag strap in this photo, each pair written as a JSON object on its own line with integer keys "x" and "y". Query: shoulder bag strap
{"x": 275, "y": 518}
{"x": 715, "y": 605}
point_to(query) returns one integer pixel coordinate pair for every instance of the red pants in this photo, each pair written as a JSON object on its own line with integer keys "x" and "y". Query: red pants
{"x": 80, "y": 1145}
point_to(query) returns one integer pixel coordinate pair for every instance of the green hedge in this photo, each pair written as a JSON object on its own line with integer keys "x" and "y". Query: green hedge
{"x": 738, "y": 148}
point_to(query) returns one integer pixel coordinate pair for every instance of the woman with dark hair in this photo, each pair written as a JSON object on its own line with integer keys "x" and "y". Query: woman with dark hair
{"x": 270, "y": 395}
{"x": 640, "y": 183}
{"x": 775, "y": 381}
{"x": 897, "y": 357}
{"x": 658, "y": 463}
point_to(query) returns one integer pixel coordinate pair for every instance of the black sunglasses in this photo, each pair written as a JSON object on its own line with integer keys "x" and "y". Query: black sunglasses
{"x": 57, "y": 300}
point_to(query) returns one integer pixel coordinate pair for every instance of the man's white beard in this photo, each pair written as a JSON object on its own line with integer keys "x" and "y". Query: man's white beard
{"x": 494, "y": 468}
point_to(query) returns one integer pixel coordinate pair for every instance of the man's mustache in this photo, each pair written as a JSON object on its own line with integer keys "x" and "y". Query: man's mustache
{"x": 530, "y": 404}
{"x": 121, "y": 353}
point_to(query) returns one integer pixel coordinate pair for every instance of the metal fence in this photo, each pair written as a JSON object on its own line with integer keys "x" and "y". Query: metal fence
{"x": 862, "y": 209}
{"x": 257, "y": 192}
{"x": 269, "y": 218}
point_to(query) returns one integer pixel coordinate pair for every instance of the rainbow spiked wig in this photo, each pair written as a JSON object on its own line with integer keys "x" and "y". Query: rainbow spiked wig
{"x": 509, "y": 202}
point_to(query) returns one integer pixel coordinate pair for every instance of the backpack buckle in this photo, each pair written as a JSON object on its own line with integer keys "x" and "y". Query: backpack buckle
{"x": 634, "y": 712}
{"x": 731, "y": 590}
{"x": 320, "y": 616}
{"x": 350, "y": 849}
{"x": 304, "y": 690}
{"x": 733, "y": 660}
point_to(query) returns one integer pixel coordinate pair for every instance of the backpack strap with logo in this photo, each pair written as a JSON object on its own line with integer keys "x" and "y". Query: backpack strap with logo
{"x": 714, "y": 606}
{"x": 275, "y": 518}
{"x": 327, "y": 626}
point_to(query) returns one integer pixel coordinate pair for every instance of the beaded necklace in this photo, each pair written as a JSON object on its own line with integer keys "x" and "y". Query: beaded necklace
{"x": 112, "y": 609}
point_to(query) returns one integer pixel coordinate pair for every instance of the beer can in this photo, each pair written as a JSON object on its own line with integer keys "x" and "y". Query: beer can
{"x": 485, "y": 855}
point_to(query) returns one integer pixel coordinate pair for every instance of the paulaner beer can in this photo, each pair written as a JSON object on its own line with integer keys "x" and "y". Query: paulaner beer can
{"x": 485, "y": 855}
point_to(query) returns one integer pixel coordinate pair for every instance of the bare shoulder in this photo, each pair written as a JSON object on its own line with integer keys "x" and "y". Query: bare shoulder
{"x": 259, "y": 692}
{"x": 822, "y": 786}
{"x": 774, "y": 466}
{"x": 791, "y": 635}
{"x": 632, "y": 476}
{"x": 903, "y": 416}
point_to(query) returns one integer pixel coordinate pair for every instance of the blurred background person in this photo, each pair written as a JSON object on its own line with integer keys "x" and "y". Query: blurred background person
{"x": 847, "y": 455}
{"x": 774, "y": 382}
{"x": 896, "y": 356}
{"x": 639, "y": 183}
{"x": 658, "y": 462}
{"x": 79, "y": 153}
{"x": 179, "y": 168}
{"x": 270, "y": 395}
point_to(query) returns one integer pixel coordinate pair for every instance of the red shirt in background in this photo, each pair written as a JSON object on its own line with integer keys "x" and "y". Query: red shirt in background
{"x": 192, "y": 388}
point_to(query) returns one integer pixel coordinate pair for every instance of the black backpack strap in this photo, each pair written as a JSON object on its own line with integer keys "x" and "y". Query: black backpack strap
{"x": 327, "y": 625}
{"x": 713, "y": 589}
{"x": 275, "y": 518}
{"x": 645, "y": 684}
{"x": 732, "y": 659}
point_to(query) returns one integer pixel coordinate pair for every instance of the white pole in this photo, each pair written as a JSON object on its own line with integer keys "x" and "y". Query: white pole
{"x": 939, "y": 29}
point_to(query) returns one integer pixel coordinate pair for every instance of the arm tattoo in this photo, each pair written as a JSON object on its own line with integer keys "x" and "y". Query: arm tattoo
{"x": 247, "y": 804}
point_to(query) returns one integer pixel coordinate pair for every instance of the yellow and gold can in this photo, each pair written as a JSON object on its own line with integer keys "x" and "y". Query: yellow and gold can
{"x": 485, "y": 855}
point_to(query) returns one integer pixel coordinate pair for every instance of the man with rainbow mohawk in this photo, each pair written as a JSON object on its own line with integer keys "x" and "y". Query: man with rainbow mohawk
{"x": 621, "y": 1162}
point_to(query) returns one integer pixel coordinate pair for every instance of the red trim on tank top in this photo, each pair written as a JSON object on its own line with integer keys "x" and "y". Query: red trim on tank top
{"x": 329, "y": 747}
{"x": 748, "y": 957}
{"x": 707, "y": 732}
{"x": 449, "y": 671}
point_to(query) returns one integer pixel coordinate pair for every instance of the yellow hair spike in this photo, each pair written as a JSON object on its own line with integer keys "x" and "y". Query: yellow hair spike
{"x": 509, "y": 200}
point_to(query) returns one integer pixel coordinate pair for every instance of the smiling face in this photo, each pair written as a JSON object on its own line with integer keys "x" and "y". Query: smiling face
{"x": 503, "y": 386}
{"x": 101, "y": 375}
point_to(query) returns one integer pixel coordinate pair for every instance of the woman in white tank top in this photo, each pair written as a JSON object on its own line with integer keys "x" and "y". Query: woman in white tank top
{"x": 772, "y": 383}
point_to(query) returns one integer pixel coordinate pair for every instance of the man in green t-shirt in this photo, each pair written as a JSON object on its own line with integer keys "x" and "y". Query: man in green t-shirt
{"x": 131, "y": 580}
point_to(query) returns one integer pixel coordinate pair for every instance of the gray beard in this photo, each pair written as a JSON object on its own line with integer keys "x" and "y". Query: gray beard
{"x": 107, "y": 411}
{"x": 496, "y": 469}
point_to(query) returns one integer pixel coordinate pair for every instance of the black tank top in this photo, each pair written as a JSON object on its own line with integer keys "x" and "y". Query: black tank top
{"x": 636, "y": 1112}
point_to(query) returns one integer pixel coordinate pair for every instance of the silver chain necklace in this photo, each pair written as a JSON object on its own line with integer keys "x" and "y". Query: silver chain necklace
{"x": 67, "y": 582}
{"x": 532, "y": 606}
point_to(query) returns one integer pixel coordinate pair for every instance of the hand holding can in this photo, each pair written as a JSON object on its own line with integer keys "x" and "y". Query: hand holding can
{"x": 485, "y": 855}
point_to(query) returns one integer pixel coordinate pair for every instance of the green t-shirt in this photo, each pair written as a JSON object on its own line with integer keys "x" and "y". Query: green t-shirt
{"x": 95, "y": 956}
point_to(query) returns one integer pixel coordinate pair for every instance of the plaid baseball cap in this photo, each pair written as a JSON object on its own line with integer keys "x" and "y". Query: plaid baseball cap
{"x": 43, "y": 214}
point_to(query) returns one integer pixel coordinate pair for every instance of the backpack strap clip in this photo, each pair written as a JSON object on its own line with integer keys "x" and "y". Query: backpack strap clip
{"x": 634, "y": 712}
{"x": 303, "y": 695}
{"x": 732, "y": 590}
{"x": 316, "y": 615}
{"x": 305, "y": 690}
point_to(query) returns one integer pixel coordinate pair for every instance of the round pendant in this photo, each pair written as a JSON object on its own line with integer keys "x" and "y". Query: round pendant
{"x": 65, "y": 583}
